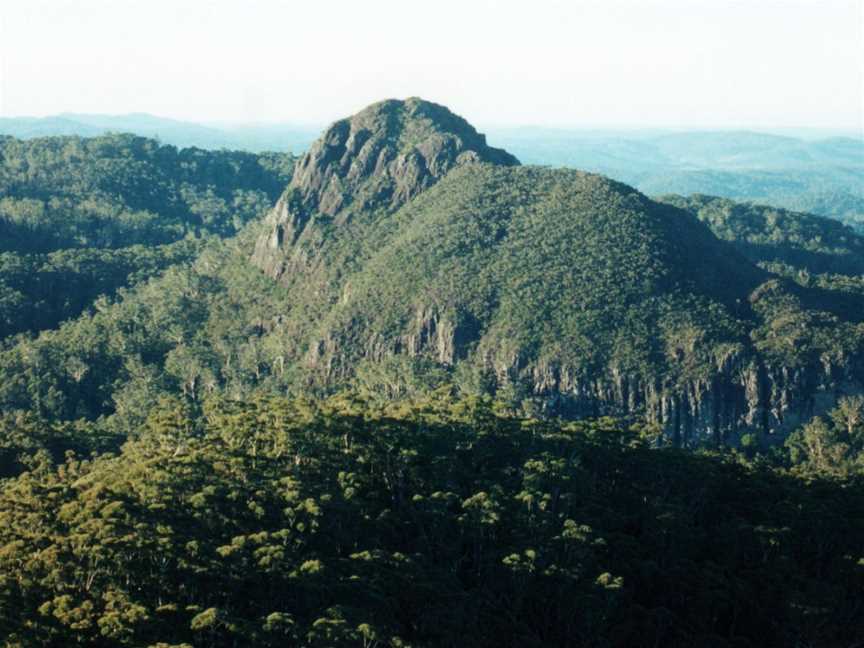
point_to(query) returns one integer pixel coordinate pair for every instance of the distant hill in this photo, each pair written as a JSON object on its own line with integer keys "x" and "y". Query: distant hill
{"x": 823, "y": 175}
{"x": 32, "y": 127}
{"x": 251, "y": 137}
{"x": 643, "y": 149}
{"x": 116, "y": 190}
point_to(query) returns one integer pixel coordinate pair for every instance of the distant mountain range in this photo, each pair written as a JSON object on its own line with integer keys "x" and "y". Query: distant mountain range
{"x": 822, "y": 173}
{"x": 244, "y": 137}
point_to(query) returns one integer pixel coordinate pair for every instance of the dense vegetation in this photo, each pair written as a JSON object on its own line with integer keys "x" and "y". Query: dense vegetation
{"x": 219, "y": 325}
{"x": 480, "y": 273}
{"x": 38, "y": 291}
{"x": 366, "y": 452}
{"x": 443, "y": 522}
{"x": 119, "y": 190}
{"x": 768, "y": 235}
{"x": 81, "y": 218}
{"x": 488, "y": 252}
{"x": 191, "y": 331}
{"x": 819, "y": 254}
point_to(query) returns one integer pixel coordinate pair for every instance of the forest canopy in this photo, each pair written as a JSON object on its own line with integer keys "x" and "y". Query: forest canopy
{"x": 379, "y": 419}
{"x": 437, "y": 522}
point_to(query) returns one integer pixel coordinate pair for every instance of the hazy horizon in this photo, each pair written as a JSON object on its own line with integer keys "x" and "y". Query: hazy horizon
{"x": 799, "y": 132}
{"x": 569, "y": 65}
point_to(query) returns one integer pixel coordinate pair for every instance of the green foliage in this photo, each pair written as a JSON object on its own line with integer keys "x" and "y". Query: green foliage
{"x": 269, "y": 521}
{"x": 38, "y": 291}
{"x": 119, "y": 190}
{"x": 819, "y": 319}
{"x": 158, "y": 488}
{"x": 80, "y": 218}
{"x": 767, "y": 235}
{"x": 832, "y": 445}
{"x": 477, "y": 282}
{"x": 482, "y": 269}
{"x": 792, "y": 335}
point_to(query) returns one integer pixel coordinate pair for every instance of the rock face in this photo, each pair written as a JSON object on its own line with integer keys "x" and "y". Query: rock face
{"x": 378, "y": 159}
{"x": 745, "y": 393}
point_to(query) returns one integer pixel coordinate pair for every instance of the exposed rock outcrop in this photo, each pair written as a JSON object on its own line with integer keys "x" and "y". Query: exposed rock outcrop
{"x": 745, "y": 394}
{"x": 378, "y": 159}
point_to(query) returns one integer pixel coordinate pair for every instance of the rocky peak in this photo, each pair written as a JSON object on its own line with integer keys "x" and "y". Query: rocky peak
{"x": 378, "y": 159}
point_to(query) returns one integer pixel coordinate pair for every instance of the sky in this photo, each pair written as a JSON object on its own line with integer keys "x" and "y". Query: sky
{"x": 557, "y": 63}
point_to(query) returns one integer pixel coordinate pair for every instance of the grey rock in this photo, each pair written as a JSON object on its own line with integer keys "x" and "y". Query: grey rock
{"x": 378, "y": 159}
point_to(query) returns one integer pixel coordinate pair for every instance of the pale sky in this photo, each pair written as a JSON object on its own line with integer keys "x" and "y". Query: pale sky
{"x": 680, "y": 63}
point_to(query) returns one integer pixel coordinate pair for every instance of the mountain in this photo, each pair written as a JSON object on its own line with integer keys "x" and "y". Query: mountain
{"x": 351, "y": 422}
{"x": 564, "y": 289}
{"x": 405, "y": 253}
{"x": 378, "y": 159}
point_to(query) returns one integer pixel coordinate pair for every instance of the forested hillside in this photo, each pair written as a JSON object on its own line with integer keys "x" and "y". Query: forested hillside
{"x": 81, "y": 218}
{"x": 768, "y": 235}
{"x": 432, "y": 398}
{"x": 38, "y": 291}
{"x": 817, "y": 253}
{"x": 470, "y": 276}
{"x": 119, "y": 190}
